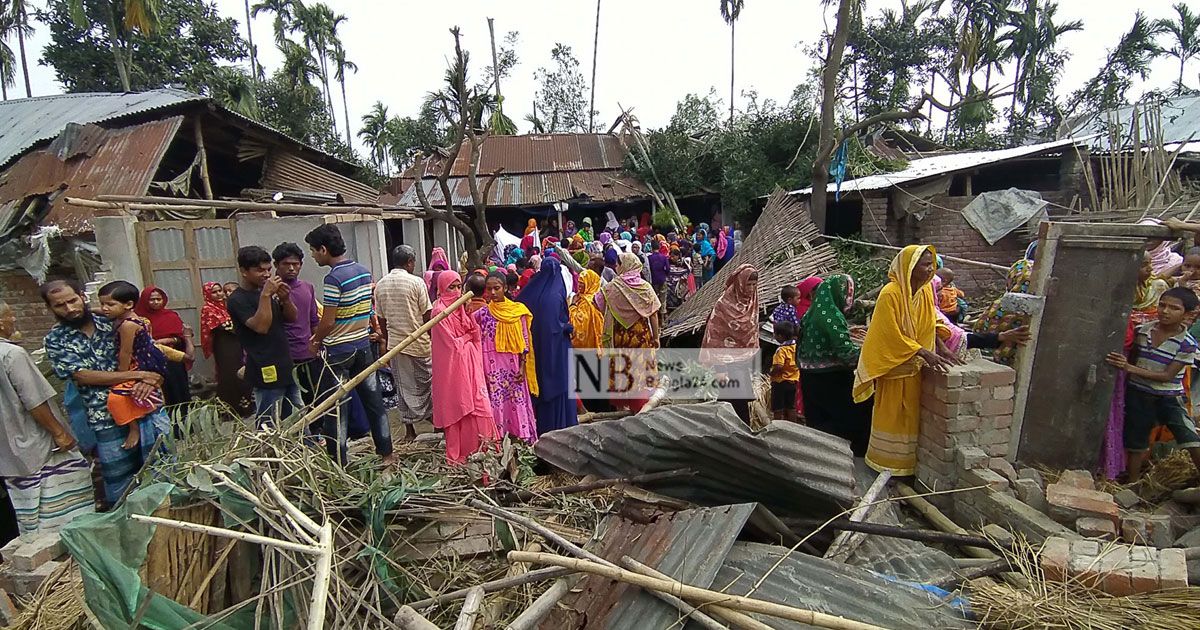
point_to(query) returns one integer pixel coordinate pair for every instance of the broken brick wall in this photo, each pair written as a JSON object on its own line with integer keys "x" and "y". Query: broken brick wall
{"x": 966, "y": 415}
{"x": 34, "y": 320}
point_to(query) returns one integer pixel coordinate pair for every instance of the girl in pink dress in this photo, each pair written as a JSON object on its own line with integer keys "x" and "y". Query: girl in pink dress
{"x": 508, "y": 360}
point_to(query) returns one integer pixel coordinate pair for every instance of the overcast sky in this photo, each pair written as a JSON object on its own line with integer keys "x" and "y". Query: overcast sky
{"x": 651, "y": 52}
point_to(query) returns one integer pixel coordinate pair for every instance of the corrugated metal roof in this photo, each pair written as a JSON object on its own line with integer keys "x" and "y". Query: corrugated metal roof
{"x": 1179, "y": 116}
{"x": 97, "y": 161}
{"x": 286, "y": 171}
{"x": 537, "y": 189}
{"x": 925, "y": 168}
{"x": 784, "y": 246}
{"x": 538, "y": 153}
{"x": 789, "y": 468}
{"x": 821, "y": 585}
{"x": 28, "y": 121}
{"x": 689, "y": 546}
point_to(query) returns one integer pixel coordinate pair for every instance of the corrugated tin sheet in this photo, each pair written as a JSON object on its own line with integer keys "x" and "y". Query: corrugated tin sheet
{"x": 821, "y": 585}
{"x": 784, "y": 246}
{"x": 537, "y": 189}
{"x": 1179, "y": 116}
{"x": 790, "y": 468}
{"x": 689, "y": 546}
{"x": 29, "y": 121}
{"x": 286, "y": 171}
{"x": 937, "y": 165}
{"x": 538, "y": 153}
{"x": 113, "y": 162}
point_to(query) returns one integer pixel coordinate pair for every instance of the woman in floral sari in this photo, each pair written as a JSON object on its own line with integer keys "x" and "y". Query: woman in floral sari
{"x": 508, "y": 360}
{"x": 630, "y": 309}
{"x": 995, "y": 319}
{"x": 678, "y": 272}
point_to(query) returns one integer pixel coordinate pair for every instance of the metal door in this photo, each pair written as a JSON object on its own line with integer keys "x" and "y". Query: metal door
{"x": 1087, "y": 273}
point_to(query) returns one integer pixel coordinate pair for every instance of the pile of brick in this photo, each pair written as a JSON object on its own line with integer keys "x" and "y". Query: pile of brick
{"x": 1115, "y": 569}
{"x": 28, "y": 561}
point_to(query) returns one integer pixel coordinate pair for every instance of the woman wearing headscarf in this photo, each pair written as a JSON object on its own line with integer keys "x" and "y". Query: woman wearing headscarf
{"x": 437, "y": 262}
{"x": 218, "y": 341}
{"x": 460, "y": 396}
{"x": 630, "y": 308}
{"x": 530, "y": 227}
{"x": 551, "y": 329}
{"x": 731, "y": 333}
{"x": 827, "y": 356}
{"x": 707, "y": 254}
{"x": 569, "y": 230}
{"x": 167, "y": 329}
{"x": 528, "y": 242}
{"x": 587, "y": 320}
{"x": 612, "y": 225}
{"x": 996, "y": 319}
{"x": 1163, "y": 259}
{"x": 586, "y": 231}
{"x": 644, "y": 226}
{"x": 508, "y": 361}
{"x": 901, "y": 339}
{"x": 678, "y": 272}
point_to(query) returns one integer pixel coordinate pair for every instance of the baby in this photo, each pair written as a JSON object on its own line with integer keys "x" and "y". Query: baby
{"x": 951, "y": 300}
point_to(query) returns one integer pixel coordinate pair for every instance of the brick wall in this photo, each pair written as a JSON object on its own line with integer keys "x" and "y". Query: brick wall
{"x": 34, "y": 320}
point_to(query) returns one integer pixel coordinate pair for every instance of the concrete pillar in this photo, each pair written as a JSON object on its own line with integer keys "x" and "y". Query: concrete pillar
{"x": 370, "y": 245}
{"x": 116, "y": 238}
{"x": 413, "y": 232}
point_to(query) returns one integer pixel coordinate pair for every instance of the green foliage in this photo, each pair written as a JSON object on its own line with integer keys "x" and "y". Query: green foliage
{"x": 865, "y": 264}
{"x": 560, "y": 104}
{"x": 189, "y": 46}
{"x": 300, "y": 114}
{"x": 1129, "y": 59}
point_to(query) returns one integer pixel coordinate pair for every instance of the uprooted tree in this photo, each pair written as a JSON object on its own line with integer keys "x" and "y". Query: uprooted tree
{"x": 830, "y": 138}
{"x": 462, "y": 107}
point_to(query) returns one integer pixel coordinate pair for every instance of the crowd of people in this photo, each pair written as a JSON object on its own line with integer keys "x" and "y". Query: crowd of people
{"x": 498, "y": 364}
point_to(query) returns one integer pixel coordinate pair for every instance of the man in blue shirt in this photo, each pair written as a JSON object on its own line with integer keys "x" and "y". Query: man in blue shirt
{"x": 82, "y": 348}
{"x": 344, "y": 332}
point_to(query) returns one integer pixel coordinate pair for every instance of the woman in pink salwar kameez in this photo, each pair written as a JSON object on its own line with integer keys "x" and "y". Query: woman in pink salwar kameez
{"x": 508, "y": 361}
{"x": 460, "y": 397}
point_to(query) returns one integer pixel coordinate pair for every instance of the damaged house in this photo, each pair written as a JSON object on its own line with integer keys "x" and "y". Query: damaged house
{"x": 164, "y": 144}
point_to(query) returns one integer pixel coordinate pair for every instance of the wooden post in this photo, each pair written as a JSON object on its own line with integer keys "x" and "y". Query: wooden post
{"x": 204, "y": 179}
{"x": 846, "y": 542}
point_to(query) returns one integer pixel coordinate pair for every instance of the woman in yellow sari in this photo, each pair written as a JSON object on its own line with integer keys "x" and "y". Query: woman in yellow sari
{"x": 585, "y": 317}
{"x": 900, "y": 340}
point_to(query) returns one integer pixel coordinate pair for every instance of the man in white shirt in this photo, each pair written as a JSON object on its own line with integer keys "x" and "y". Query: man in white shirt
{"x": 402, "y": 303}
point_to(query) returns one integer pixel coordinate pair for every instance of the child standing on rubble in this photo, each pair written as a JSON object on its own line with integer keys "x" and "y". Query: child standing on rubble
{"x": 785, "y": 376}
{"x": 1161, "y": 350}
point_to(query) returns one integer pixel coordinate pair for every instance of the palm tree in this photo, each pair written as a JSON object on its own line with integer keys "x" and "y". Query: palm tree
{"x": 731, "y": 10}
{"x": 250, "y": 40}
{"x": 374, "y": 133}
{"x": 299, "y": 69}
{"x": 316, "y": 24}
{"x": 285, "y": 15}
{"x": 234, "y": 90}
{"x": 8, "y": 61}
{"x": 1033, "y": 35}
{"x": 341, "y": 65}
{"x": 20, "y": 13}
{"x": 141, "y": 15}
{"x": 1185, "y": 36}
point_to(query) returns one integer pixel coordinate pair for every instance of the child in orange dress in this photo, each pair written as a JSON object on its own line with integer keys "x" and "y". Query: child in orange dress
{"x": 135, "y": 351}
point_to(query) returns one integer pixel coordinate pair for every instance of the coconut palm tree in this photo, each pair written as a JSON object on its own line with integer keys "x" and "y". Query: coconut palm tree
{"x": 731, "y": 10}
{"x": 8, "y": 61}
{"x": 250, "y": 41}
{"x": 341, "y": 65}
{"x": 285, "y": 15}
{"x": 1033, "y": 35}
{"x": 20, "y": 13}
{"x": 374, "y": 133}
{"x": 1184, "y": 32}
{"x": 141, "y": 15}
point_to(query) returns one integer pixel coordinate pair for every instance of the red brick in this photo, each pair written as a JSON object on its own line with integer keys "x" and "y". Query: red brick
{"x": 1068, "y": 503}
{"x": 1093, "y": 527}
{"x": 1081, "y": 479}
{"x": 1004, "y": 392}
{"x": 998, "y": 378}
{"x": 1172, "y": 567}
{"x": 996, "y": 407}
{"x": 1055, "y": 557}
{"x": 1144, "y": 576}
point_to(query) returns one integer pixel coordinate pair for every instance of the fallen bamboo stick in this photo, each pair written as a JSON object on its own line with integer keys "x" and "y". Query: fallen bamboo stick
{"x": 140, "y": 207}
{"x": 966, "y": 261}
{"x": 695, "y": 594}
{"x": 470, "y": 610}
{"x": 228, "y": 533}
{"x": 208, "y": 578}
{"x": 409, "y": 619}
{"x": 680, "y": 473}
{"x": 541, "y": 606}
{"x": 222, "y": 204}
{"x": 895, "y": 531}
{"x": 593, "y": 416}
{"x": 495, "y": 585}
{"x": 847, "y": 541}
{"x": 741, "y": 620}
{"x": 332, "y": 399}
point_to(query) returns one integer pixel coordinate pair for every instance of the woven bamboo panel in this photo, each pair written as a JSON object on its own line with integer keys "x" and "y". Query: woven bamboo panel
{"x": 784, "y": 245}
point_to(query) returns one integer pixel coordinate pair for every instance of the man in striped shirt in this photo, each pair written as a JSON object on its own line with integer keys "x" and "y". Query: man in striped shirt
{"x": 1161, "y": 350}
{"x": 344, "y": 330}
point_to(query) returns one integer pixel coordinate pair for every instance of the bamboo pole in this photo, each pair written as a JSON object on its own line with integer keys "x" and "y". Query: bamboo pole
{"x": 741, "y": 620}
{"x": 495, "y": 585}
{"x": 409, "y": 619}
{"x": 966, "y": 261}
{"x": 228, "y": 533}
{"x": 300, "y": 208}
{"x": 332, "y": 399}
{"x": 847, "y": 541}
{"x": 204, "y": 179}
{"x": 541, "y": 606}
{"x": 894, "y": 531}
{"x": 695, "y": 594}
{"x": 140, "y": 207}
{"x": 470, "y": 610}
{"x": 208, "y": 578}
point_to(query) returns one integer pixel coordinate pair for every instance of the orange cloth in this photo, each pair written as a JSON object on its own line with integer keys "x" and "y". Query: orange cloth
{"x": 948, "y": 300}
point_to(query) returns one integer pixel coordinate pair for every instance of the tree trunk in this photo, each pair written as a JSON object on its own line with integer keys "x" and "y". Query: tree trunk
{"x": 595, "y": 58}
{"x": 250, "y": 40}
{"x": 115, "y": 42}
{"x": 21, "y": 20}
{"x": 1178, "y": 90}
{"x": 732, "y": 48}
{"x": 929, "y": 118}
{"x": 825, "y": 143}
{"x": 1012, "y": 114}
{"x": 3, "y": 89}
{"x": 857, "y": 110}
{"x": 346, "y": 110}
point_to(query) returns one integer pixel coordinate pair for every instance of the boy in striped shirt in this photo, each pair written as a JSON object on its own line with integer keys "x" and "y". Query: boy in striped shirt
{"x": 344, "y": 333}
{"x": 1161, "y": 350}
